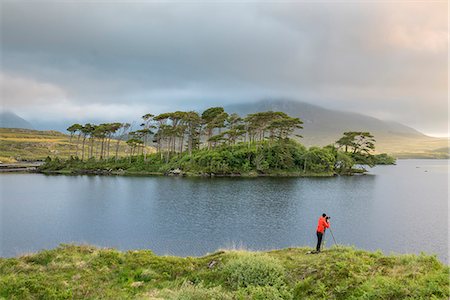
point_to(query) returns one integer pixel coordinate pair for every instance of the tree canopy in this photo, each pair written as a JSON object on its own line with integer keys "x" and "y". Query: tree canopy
{"x": 216, "y": 141}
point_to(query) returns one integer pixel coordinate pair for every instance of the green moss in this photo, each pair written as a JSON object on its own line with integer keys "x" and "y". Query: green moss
{"x": 86, "y": 272}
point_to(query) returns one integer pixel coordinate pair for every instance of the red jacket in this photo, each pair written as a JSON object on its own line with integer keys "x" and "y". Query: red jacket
{"x": 322, "y": 224}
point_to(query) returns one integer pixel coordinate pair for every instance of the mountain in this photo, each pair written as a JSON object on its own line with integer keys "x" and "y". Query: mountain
{"x": 11, "y": 120}
{"x": 323, "y": 126}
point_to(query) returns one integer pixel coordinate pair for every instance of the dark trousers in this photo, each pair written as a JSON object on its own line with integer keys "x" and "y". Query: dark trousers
{"x": 319, "y": 240}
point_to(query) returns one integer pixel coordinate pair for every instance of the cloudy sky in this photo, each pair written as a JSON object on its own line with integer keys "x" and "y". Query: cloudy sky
{"x": 115, "y": 60}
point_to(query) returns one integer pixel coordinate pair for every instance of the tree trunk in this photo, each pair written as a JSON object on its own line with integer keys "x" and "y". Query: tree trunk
{"x": 107, "y": 148}
{"x": 190, "y": 144}
{"x": 144, "y": 149}
{"x": 82, "y": 150}
{"x": 117, "y": 149}
{"x": 101, "y": 148}
{"x": 78, "y": 142}
{"x": 181, "y": 143}
{"x": 169, "y": 144}
{"x": 70, "y": 144}
{"x": 96, "y": 150}
{"x": 209, "y": 136}
{"x": 174, "y": 144}
{"x": 91, "y": 154}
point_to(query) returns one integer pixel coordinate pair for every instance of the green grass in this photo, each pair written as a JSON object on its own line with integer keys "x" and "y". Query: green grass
{"x": 35, "y": 145}
{"x": 25, "y": 144}
{"x": 87, "y": 272}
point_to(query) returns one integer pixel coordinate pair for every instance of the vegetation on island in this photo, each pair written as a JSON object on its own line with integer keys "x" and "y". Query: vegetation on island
{"x": 86, "y": 272}
{"x": 214, "y": 143}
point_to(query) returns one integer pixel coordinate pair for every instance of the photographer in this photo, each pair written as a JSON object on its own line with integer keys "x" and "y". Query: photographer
{"x": 321, "y": 225}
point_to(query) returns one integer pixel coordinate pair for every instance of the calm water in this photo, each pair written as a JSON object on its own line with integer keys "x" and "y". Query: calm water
{"x": 399, "y": 208}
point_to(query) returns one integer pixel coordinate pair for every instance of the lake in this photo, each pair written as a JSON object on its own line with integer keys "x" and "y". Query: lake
{"x": 401, "y": 209}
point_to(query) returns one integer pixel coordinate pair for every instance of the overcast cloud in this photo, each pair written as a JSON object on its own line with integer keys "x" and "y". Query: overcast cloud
{"x": 79, "y": 61}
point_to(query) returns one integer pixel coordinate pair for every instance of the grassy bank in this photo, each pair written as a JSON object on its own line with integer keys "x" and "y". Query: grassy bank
{"x": 35, "y": 145}
{"x": 86, "y": 272}
{"x": 31, "y": 145}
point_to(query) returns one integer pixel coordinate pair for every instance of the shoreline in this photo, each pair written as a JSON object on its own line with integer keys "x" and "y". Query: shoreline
{"x": 23, "y": 167}
{"x": 193, "y": 175}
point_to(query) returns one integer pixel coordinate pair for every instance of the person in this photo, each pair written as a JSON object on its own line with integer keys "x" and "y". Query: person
{"x": 321, "y": 225}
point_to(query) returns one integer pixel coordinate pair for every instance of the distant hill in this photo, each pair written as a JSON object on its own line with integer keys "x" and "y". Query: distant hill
{"x": 324, "y": 126}
{"x": 11, "y": 120}
{"x": 321, "y": 127}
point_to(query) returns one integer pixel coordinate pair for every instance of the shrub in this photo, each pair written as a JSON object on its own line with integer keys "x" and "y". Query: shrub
{"x": 265, "y": 293}
{"x": 344, "y": 163}
{"x": 253, "y": 270}
{"x": 384, "y": 159}
{"x": 319, "y": 160}
{"x": 198, "y": 292}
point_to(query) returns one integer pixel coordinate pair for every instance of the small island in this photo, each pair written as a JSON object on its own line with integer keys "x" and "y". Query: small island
{"x": 213, "y": 143}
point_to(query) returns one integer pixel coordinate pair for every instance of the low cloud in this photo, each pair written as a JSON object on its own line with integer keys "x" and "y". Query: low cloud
{"x": 19, "y": 92}
{"x": 40, "y": 100}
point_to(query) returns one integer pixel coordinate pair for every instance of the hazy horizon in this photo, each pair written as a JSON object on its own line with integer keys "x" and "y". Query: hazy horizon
{"x": 62, "y": 125}
{"x": 107, "y": 61}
